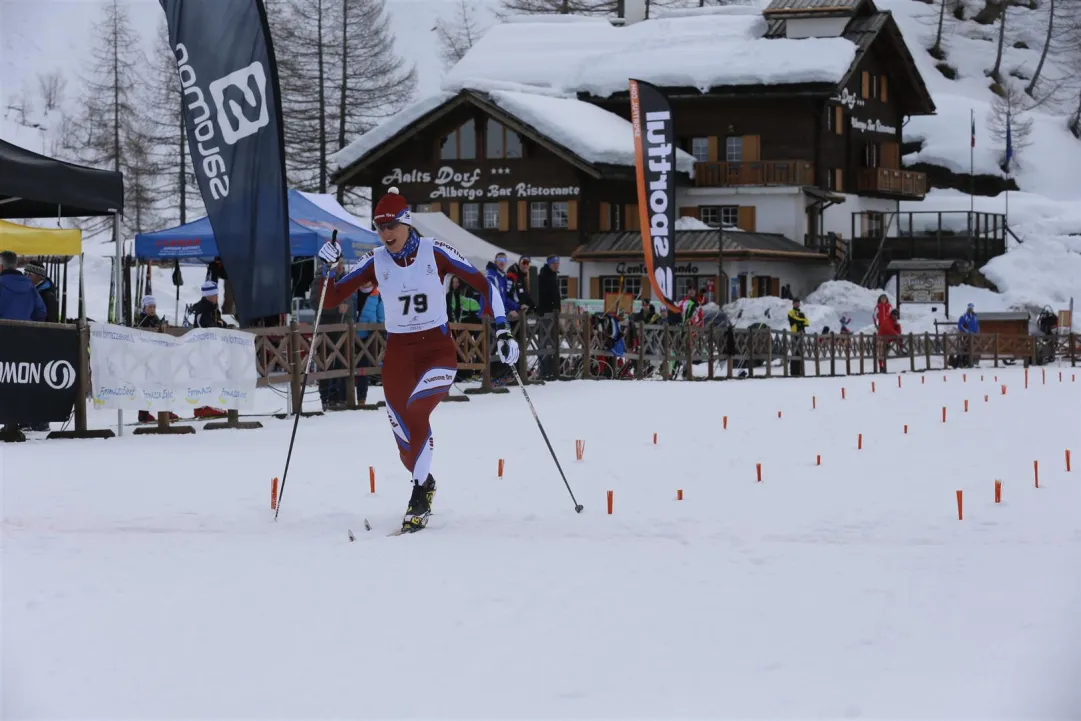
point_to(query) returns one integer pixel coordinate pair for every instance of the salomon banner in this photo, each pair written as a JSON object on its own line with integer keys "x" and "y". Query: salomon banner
{"x": 142, "y": 370}
{"x": 37, "y": 373}
{"x": 655, "y": 163}
{"x": 232, "y": 111}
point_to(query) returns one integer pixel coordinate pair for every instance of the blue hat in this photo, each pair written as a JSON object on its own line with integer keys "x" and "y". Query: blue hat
{"x": 552, "y": 259}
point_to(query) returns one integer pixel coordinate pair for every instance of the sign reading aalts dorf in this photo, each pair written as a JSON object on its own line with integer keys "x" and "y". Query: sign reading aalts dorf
{"x": 468, "y": 184}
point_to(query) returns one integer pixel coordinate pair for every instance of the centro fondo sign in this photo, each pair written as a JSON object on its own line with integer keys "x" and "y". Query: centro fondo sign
{"x": 470, "y": 185}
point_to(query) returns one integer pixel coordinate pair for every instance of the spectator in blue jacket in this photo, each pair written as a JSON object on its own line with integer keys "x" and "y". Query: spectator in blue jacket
{"x": 969, "y": 322}
{"x": 19, "y": 300}
{"x": 369, "y": 305}
{"x": 497, "y": 275}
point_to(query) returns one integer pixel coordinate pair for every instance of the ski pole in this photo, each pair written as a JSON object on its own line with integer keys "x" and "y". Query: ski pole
{"x": 577, "y": 506}
{"x": 303, "y": 385}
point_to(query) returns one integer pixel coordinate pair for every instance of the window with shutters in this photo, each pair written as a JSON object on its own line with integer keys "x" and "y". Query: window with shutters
{"x": 461, "y": 144}
{"x": 564, "y": 286}
{"x": 560, "y": 214}
{"x": 470, "y": 215}
{"x": 700, "y": 149}
{"x": 733, "y": 149}
{"x": 500, "y": 142}
{"x": 491, "y": 215}
{"x": 835, "y": 179}
{"x": 871, "y": 155}
{"x": 538, "y": 215}
{"x": 717, "y": 216}
{"x": 631, "y": 284}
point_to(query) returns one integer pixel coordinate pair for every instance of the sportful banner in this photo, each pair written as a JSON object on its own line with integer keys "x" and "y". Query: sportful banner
{"x": 232, "y": 111}
{"x": 142, "y": 370}
{"x": 37, "y": 373}
{"x": 655, "y": 163}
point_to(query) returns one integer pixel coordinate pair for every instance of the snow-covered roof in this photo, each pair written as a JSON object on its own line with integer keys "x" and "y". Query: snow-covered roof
{"x": 592, "y": 133}
{"x": 591, "y": 55}
{"x": 388, "y": 129}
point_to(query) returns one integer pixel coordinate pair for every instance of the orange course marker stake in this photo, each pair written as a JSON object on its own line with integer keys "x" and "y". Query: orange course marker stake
{"x": 579, "y": 449}
{"x": 679, "y": 494}
{"x": 981, "y": 378}
{"x": 964, "y": 377}
{"x": 1003, "y": 390}
{"x": 818, "y": 460}
{"x": 1067, "y": 460}
{"x": 758, "y": 471}
{"x": 274, "y": 493}
{"x": 923, "y": 380}
{"x": 842, "y": 393}
{"x": 1026, "y": 378}
{"x": 898, "y": 381}
{"x": 960, "y": 513}
{"x": 943, "y": 414}
{"x": 371, "y": 476}
{"x": 872, "y": 386}
{"x": 966, "y": 406}
{"x": 943, "y": 379}
{"x": 859, "y": 442}
{"x": 1043, "y": 376}
{"x": 500, "y": 467}
{"x": 1036, "y": 472}
{"x": 609, "y": 503}
{"x": 998, "y": 491}
{"x": 985, "y": 398}
{"x": 778, "y": 414}
{"x": 724, "y": 422}
{"x": 906, "y": 429}
{"x": 814, "y": 403}
{"x": 654, "y": 439}
{"x": 1060, "y": 376}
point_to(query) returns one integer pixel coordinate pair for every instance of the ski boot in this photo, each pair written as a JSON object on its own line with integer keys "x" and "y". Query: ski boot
{"x": 420, "y": 506}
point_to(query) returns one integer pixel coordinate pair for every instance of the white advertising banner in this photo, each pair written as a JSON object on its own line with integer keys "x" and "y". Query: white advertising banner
{"x": 140, "y": 370}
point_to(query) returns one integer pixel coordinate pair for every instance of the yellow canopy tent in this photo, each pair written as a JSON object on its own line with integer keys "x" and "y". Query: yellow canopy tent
{"x": 37, "y": 242}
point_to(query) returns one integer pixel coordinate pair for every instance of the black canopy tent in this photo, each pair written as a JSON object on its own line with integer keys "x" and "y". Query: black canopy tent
{"x": 35, "y": 186}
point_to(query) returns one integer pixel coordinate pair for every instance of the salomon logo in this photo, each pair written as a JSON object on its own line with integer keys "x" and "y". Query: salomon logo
{"x": 236, "y": 120}
{"x": 59, "y": 374}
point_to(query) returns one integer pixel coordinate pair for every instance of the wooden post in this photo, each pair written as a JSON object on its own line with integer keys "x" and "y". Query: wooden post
{"x": 769, "y": 352}
{"x": 688, "y": 369}
{"x": 786, "y": 349}
{"x": 911, "y": 353}
{"x": 587, "y": 343}
{"x": 833, "y": 355}
{"x": 294, "y": 370}
{"x": 710, "y": 335}
{"x": 862, "y": 353}
{"x": 351, "y": 363}
{"x": 1032, "y": 351}
{"x": 523, "y": 345}
{"x": 1073, "y": 348}
{"x": 818, "y": 355}
{"x": 82, "y": 390}
{"x": 927, "y": 351}
{"x": 640, "y": 371}
{"x": 557, "y": 339}
{"x": 875, "y": 349}
{"x": 486, "y": 350}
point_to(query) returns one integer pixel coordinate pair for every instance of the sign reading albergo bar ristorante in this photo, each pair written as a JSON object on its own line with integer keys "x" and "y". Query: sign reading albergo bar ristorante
{"x": 474, "y": 184}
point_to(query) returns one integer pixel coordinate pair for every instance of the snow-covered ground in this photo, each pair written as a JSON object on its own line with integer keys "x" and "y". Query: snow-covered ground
{"x": 144, "y": 577}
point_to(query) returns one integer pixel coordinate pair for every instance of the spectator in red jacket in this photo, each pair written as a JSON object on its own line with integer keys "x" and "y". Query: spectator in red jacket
{"x": 889, "y": 331}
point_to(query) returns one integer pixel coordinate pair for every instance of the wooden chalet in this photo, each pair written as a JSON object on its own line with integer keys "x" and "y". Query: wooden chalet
{"x": 814, "y": 162}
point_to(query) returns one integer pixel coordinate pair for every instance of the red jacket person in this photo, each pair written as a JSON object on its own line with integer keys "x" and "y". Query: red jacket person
{"x": 421, "y": 359}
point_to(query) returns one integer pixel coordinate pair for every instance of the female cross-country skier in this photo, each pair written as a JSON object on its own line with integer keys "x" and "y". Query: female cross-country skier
{"x": 421, "y": 359}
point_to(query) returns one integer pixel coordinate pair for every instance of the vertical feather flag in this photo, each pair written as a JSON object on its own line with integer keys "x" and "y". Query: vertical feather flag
{"x": 973, "y": 128}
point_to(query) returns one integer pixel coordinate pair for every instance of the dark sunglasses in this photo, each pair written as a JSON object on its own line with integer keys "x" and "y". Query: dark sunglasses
{"x": 387, "y": 226}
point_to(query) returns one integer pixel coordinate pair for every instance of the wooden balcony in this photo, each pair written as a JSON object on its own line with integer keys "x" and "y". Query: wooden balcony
{"x": 754, "y": 172}
{"x": 895, "y": 183}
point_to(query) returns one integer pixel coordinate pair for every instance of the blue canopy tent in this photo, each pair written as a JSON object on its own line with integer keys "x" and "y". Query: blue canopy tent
{"x": 196, "y": 240}
{"x": 309, "y": 227}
